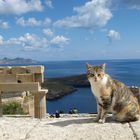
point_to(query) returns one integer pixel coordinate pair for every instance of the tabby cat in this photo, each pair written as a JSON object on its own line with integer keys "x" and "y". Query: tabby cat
{"x": 112, "y": 96}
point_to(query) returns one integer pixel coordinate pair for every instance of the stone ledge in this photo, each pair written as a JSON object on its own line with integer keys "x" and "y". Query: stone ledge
{"x": 67, "y": 127}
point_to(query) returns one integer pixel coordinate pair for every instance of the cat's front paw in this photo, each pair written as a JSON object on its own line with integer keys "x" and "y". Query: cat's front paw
{"x": 97, "y": 119}
{"x": 101, "y": 121}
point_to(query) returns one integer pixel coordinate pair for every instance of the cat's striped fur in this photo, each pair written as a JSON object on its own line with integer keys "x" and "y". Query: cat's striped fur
{"x": 112, "y": 96}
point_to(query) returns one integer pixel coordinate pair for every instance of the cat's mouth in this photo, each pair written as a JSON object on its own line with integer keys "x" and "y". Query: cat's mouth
{"x": 95, "y": 79}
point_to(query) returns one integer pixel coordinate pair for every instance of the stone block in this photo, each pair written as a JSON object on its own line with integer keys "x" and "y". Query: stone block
{"x": 5, "y": 70}
{"x": 6, "y": 78}
{"x": 39, "y": 77}
{"x": 19, "y": 70}
{"x": 28, "y": 105}
{"x": 36, "y": 69}
{"x": 31, "y": 108}
{"x": 13, "y": 87}
{"x": 21, "y": 78}
{"x": 40, "y": 104}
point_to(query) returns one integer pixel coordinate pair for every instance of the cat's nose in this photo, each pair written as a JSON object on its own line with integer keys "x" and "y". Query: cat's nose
{"x": 95, "y": 79}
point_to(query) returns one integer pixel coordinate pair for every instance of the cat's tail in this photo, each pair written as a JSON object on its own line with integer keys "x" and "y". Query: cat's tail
{"x": 136, "y": 92}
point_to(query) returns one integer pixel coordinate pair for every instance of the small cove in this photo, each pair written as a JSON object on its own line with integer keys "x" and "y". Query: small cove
{"x": 82, "y": 99}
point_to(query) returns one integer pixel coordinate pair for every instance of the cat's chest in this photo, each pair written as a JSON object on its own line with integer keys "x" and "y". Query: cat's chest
{"x": 96, "y": 90}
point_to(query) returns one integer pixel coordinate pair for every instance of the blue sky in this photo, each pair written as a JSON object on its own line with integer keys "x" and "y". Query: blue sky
{"x": 70, "y": 29}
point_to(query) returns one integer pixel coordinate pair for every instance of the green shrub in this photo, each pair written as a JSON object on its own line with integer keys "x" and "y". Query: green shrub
{"x": 12, "y": 108}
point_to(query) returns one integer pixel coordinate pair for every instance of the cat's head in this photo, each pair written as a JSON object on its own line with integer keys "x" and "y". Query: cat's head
{"x": 95, "y": 72}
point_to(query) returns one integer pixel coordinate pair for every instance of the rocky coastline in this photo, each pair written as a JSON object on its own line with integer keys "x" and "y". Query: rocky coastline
{"x": 59, "y": 87}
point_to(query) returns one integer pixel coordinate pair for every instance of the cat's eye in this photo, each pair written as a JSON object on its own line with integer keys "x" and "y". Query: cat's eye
{"x": 99, "y": 75}
{"x": 92, "y": 75}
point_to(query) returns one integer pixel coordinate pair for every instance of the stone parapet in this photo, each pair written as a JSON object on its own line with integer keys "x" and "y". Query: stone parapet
{"x": 25, "y": 78}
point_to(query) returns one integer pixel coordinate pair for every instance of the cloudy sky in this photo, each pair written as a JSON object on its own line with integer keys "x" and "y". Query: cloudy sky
{"x": 70, "y": 29}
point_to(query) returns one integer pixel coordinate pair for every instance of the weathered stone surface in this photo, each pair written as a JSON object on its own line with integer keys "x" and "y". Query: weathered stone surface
{"x": 36, "y": 69}
{"x": 40, "y": 104}
{"x": 135, "y": 126}
{"x": 39, "y": 77}
{"x": 64, "y": 128}
{"x": 25, "y": 78}
{"x": 16, "y": 128}
{"x": 5, "y": 70}
{"x": 21, "y": 78}
{"x": 19, "y": 70}
{"x": 20, "y": 74}
{"x": 7, "y": 87}
{"x": 5, "y": 78}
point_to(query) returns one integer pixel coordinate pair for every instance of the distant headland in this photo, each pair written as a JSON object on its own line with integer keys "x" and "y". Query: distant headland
{"x": 17, "y": 60}
{"x": 59, "y": 87}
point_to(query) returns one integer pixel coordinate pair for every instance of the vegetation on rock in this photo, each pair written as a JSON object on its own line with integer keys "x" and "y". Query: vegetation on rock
{"x": 12, "y": 108}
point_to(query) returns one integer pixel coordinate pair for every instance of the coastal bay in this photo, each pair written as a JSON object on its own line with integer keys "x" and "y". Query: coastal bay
{"x": 59, "y": 87}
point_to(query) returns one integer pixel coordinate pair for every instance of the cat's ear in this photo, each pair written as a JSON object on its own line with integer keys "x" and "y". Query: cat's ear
{"x": 88, "y": 66}
{"x": 103, "y": 66}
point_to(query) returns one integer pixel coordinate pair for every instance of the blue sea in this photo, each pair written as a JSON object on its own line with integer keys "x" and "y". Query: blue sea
{"x": 127, "y": 71}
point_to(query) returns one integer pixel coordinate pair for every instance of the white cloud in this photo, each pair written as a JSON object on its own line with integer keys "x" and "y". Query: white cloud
{"x": 47, "y": 22}
{"x": 94, "y": 13}
{"x": 12, "y": 41}
{"x": 131, "y": 4}
{"x": 30, "y": 42}
{"x": 26, "y": 41}
{"x": 59, "y": 41}
{"x": 113, "y": 35}
{"x": 48, "y": 32}
{"x": 33, "y": 42}
{"x": 29, "y": 22}
{"x": 33, "y": 22}
{"x": 134, "y": 4}
{"x": 4, "y": 25}
{"x": 19, "y": 7}
{"x": 1, "y": 39}
{"x": 49, "y": 3}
